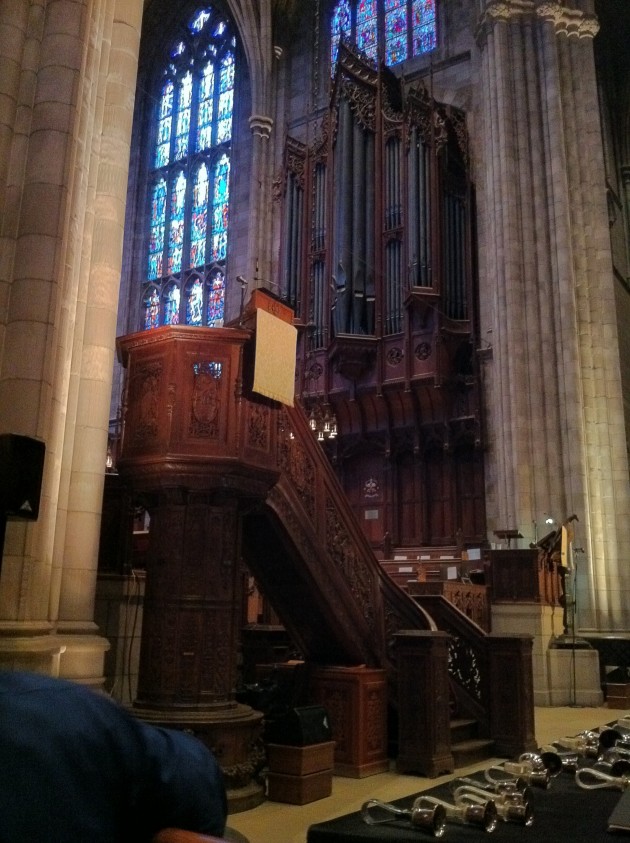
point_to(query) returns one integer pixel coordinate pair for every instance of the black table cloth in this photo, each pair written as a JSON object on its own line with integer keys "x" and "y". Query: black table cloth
{"x": 563, "y": 812}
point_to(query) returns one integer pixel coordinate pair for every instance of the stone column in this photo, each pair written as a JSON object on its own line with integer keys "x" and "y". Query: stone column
{"x": 92, "y": 368}
{"x": 557, "y": 434}
{"x": 77, "y": 82}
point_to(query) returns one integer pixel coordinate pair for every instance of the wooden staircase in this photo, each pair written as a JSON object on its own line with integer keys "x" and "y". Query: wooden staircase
{"x": 466, "y": 744}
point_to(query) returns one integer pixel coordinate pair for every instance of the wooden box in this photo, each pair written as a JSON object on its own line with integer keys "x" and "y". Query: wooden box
{"x": 301, "y": 760}
{"x": 299, "y": 790}
{"x": 618, "y": 695}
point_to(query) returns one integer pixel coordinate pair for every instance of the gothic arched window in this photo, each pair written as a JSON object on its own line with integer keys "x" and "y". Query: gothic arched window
{"x": 398, "y": 29}
{"x": 189, "y": 179}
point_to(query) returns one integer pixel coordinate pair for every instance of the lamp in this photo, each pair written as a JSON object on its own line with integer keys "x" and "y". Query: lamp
{"x": 323, "y": 422}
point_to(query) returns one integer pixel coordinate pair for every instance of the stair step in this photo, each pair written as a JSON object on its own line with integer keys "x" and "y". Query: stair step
{"x": 470, "y": 751}
{"x": 463, "y": 729}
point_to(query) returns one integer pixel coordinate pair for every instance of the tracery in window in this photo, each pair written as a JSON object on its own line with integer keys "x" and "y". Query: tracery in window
{"x": 188, "y": 188}
{"x": 399, "y": 29}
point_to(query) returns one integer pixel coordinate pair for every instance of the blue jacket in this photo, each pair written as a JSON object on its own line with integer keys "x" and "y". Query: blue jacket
{"x": 77, "y": 768}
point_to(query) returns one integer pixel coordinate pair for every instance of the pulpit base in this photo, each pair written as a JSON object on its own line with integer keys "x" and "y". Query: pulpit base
{"x": 234, "y": 734}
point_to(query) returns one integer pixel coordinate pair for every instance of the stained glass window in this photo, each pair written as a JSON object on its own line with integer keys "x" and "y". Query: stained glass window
{"x": 393, "y": 30}
{"x": 424, "y": 32}
{"x": 171, "y": 307}
{"x": 183, "y": 117}
{"x": 176, "y": 231}
{"x": 199, "y": 218}
{"x": 367, "y": 27}
{"x": 220, "y": 201}
{"x": 165, "y": 125}
{"x": 156, "y": 238}
{"x": 188, "y": 201}
{"x": 216, "y": 300}
{"x": 194, "y": 303}
{"x": 206, "y": 108}
{"x": 152, "y": 308}
{"x": 341, "y": 26}
{"x": 226, "y": 99}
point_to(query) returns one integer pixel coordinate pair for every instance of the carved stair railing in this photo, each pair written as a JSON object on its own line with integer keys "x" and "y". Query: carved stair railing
{"x": 306, "y": 549}
{"x": 490, "y": 675}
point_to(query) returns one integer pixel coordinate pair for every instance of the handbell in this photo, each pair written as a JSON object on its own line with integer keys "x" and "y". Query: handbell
{"x": 480, "y": 814}
{"x": 510, "y": 806}
{"x": 585, "y": 744}
{"x": 614, "y": 761}
{"x": 516, "y": 786}
{"x": 568, "y": 760}
{"x": 589, "y": 778}
{"x": 429, "y": 818}
{"x": 535, "y": 776}
{"x": 547, "y": 759}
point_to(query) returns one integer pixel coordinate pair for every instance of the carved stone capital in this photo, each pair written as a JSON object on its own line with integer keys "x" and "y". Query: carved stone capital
{"x": 501, "y": 11}
{"x": 568, "y": 21}
{"x": 261, "y": 125}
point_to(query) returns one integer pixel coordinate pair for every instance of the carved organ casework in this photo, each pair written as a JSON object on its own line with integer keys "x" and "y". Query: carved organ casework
{"x": 378, "y": 267}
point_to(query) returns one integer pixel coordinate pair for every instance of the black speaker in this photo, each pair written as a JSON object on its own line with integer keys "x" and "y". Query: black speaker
{"x": 300, "y": 727}
{"x": 21, "y": 469}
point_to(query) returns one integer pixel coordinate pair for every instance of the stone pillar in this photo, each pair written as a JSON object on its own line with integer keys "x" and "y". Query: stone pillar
{"x": 91, "y": 375}
{"x": 67, "y": 164}
{"x": 547, "y": 294}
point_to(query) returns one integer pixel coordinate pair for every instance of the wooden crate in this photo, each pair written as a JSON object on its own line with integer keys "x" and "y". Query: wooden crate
{"x": 299, "y": 790}
{"x": 618, "y": 695}
{"x": 300, "y": 760}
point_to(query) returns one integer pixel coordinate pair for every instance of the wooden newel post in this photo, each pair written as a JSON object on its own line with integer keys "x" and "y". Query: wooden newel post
{"x": 511, "y": 690}
{"x": 424, "y": 736}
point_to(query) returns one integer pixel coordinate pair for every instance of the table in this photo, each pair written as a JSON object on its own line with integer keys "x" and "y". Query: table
{"x": 564, "y": 812}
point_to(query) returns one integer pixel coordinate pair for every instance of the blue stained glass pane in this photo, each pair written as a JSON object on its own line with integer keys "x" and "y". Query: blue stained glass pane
{"x": 165, "y": 122}
{"x": 216, "y": 301}
{"x": 367, "y": 29}
{"x": 178, "y": 49}
{"x": 395, "y": 31}
{"x": 194, "y": 303}
{"x": 199, "y": 218}
{"x": 220, "y": 202}
{"x": 206, "y": 108}
{"x": 166, "y": 102}
{"x": 341, "y": 24}
{"x": 152, "y": 309}
{"x": 176, "y": 231}
{"x": 183, "y": 117}
{"x": 226, "y": 99}
{"x": 198, "y": 22}
{"x": 424, "y": 27}
{"x": 171, "y": 307}
{"x": 156, "y": 235}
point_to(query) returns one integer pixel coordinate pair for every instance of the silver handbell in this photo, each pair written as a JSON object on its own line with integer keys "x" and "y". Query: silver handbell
{"x": 480, "y": 814}
{"x": 517, "y": 787}
{"x": 614, "y": 761}
{"x": 535, "y": 775}
{"x": 584, "y": 744}
{"x": 589, "y": 778}
{"x": 611, "y": 736}
{"x": 429, "y": 818}
{"x": 568, "y": 760}
{"x": 547, "y": 759}
{"x": 510, "y": 805}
